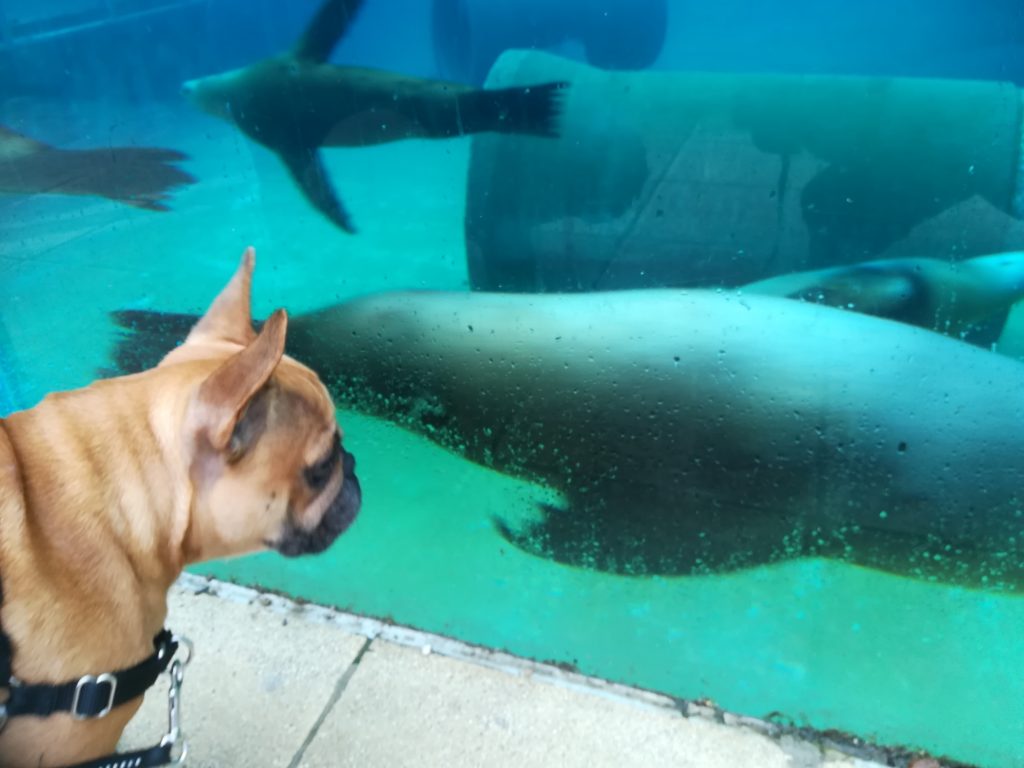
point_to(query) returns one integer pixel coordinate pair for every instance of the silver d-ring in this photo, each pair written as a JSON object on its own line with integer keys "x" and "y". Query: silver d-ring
{"x": 181, "y": 640}
{"x": 180, "y": 759}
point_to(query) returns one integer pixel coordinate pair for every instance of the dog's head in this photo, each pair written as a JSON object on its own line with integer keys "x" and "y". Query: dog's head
{"x": 262, "y": 444}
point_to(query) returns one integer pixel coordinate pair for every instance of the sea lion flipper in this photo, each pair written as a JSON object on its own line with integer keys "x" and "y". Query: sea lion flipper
{"x": 308, "y": 170}
{"x": 142, "y": 177}
{"x": 600, "y": 531}
{"x": 325, "y": 29}
{"x": 144, "y": 337}
{"x": 883, "y": 292}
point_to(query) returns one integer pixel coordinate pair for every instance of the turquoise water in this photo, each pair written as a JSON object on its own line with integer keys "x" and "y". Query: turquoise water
{"x": 823, "y": 644}
{"x": 811, "y": 642}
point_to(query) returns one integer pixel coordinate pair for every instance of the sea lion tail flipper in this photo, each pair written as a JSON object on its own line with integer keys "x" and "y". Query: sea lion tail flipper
{"x": 532, "y": 109}
{"x": 325, "y": 29}
{"x": 145, "y": 337}
{"x": 308, "y": 170}
{"x": 138, "y": 176}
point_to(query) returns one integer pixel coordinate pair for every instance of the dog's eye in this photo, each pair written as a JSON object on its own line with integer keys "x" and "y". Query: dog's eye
{"x": 318, "y": 474}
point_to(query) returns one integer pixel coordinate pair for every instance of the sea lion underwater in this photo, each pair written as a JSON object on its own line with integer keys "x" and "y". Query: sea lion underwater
{"x": 138, "y": 176}
{"x": 297, "y": 102}
{"x": 965, "y": 299}
{"x": 694, "y": 432}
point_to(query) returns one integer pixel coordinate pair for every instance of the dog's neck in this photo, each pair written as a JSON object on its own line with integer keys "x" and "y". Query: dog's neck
{"x": 144, "y": 506}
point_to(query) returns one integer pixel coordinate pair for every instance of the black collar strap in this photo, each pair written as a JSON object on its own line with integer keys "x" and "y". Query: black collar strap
{"x": 144, "y": 758}
{"x": 92, "y": 695}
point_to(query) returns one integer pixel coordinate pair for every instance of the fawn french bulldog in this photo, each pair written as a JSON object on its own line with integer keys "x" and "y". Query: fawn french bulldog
{"x": 228, "y": 446}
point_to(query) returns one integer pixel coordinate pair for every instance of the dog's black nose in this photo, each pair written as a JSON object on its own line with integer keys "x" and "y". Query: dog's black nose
{"x": 348, "y": 463}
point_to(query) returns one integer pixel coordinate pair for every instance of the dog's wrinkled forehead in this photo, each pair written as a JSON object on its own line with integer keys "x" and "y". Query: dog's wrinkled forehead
{"x": 299, "y": 405}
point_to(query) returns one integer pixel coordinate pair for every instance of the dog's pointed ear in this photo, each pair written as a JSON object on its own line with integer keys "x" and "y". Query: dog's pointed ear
{"x": 229, "y": 317}
{"x": 223, "y": 396}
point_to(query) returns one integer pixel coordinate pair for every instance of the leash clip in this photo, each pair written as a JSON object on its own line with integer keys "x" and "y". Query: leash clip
{"x": 175, "y": 738}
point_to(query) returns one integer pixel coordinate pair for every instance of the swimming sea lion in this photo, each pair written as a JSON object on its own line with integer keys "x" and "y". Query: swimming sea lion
{"x": 952, "y": 297}
{"x": 695, "y": 432}
{"x": 296, "y": 102}
{"x": 138, "y": 176}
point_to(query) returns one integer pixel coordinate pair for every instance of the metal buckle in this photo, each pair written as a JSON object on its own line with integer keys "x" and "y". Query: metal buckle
{"x": 105, "y": 678}
{"x": 12, "y": 683}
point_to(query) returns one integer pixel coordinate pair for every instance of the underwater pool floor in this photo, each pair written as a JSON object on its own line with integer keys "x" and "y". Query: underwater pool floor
{"x": 812, "y": 642}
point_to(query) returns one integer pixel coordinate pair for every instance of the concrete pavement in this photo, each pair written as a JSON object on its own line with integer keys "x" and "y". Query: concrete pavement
{"x": 278, "y": 683}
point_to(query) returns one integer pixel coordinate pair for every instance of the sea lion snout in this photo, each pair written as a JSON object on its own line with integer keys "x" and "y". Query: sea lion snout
{"x": 208, "y": 94}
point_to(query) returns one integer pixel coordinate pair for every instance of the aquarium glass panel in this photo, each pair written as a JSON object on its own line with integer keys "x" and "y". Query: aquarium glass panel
{"x": 675, "y": 343}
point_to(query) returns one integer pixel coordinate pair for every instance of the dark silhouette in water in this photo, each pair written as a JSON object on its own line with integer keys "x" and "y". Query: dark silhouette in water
{"x": 297, "y": 102}
{"x": 469, "y": 35}
{"x": 138, "y": 176}
{"x": 692, "y": 432}
{"x": 967, "y": 299}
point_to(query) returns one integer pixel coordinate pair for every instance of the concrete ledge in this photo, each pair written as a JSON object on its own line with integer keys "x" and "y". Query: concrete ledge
{"x": 409, "y": 708}
{"x": 280, "y": 683}
{"x": 256, "y": 688}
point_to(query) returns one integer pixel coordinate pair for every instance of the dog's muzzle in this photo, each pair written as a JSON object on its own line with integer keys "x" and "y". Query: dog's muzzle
{"x": 338, "y": 517}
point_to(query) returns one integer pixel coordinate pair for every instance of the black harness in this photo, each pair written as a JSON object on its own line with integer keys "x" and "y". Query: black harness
{"x": 92, "y": 696}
